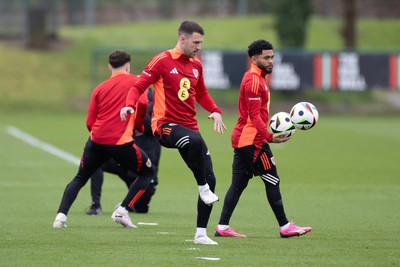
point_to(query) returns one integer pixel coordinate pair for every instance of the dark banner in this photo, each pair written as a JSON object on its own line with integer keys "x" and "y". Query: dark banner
{"x": 346, "y": 71}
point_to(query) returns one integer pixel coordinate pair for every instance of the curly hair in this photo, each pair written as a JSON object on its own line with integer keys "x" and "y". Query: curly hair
{"x": 256, "y": 47}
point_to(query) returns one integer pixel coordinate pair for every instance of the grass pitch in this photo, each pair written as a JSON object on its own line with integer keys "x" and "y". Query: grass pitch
{"x": 340, "y": 177}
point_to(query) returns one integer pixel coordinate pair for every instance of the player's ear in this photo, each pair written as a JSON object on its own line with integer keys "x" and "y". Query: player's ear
{"x": 109, "y": 67}
{"x": 253, "y": 60}
{"x": 182, "y": 38}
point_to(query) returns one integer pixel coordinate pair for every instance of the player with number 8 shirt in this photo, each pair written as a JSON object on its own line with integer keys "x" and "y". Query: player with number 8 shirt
{"x": 177, "y": 78}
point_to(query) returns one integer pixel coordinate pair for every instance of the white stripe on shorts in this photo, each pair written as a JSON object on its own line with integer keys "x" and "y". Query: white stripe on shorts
{"x": 270, "y": 178}
{"x": 182, "y": 142}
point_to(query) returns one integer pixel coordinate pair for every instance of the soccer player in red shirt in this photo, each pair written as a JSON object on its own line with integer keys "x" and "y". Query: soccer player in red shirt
{"x": 250, "y": 141}
{"x": 177, "y": 77}
{"x": 150, "y": 146}
{"x": 111, "y": 139}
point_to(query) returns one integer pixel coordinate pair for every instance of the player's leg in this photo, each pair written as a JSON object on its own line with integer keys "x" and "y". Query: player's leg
{"x": 96, "y": 183}
{"x": 114, "y": 167}
{"x": 142, "y": 205}
{"x": 93, "y": 157}
{"x": 264, "y": 166}
{"x": 269, "y": 175}
{"x": 190, "y": 146}
{"x": 204, "y": 210}
{"x": 152, "y": 148}
{"x": 193, "y": 150}
{"x": 149, "y": 144}
{"x": 130, "y": 156}
{"x": 241, "y": 175}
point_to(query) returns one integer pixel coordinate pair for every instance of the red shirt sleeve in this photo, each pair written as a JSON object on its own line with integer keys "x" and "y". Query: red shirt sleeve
{"x": 149, "y": 76}
{"x": 141, "y": 111}
{"x": 253, "y": 97}
{"x": 204, "y": 98}
{"x": 92, "y": 110}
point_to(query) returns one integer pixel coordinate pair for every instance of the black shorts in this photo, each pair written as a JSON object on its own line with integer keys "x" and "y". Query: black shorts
{"x": 247, "y": 160}
{"x": 128, "y": 155}
{"x": 191, "y": 147}
{"x": 178, "y": 136}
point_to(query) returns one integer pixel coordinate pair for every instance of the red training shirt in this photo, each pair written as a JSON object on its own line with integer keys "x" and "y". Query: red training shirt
{"x": 178, "y": 83}
{"x": 103, "y": 119}
{"x": 253, "y": 109}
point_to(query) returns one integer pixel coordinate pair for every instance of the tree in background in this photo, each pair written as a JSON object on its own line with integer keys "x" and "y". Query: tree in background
{"x": 291, "y": 22}
{"x": 35, "y": 27}
{"x": 349, "y": 23}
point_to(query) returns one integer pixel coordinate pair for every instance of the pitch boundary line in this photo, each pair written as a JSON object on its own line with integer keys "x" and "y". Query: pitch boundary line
{"x": 33, "y": 141}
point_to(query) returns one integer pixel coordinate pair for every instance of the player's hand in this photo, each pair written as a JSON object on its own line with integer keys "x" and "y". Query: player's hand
{"x": 219, "y": 125}
{"x": 280, "y": 138}
{"x": 125, "y": 111}
{"x": 138, "y": 133}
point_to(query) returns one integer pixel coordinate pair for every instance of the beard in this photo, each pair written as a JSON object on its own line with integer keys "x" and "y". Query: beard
{"x": 266, "y": 69}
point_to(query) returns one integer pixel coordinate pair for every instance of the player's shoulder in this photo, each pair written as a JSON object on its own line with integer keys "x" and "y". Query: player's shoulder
{"x": 160, "y": 57}
{"x": 252, "y": 82}
{"x": 124, "y": 78}
{"x": 132, "y": 76}
{"x": 250, "y": 76}
{"x": 196, "y": 60}
{"x": 197, "y": 63}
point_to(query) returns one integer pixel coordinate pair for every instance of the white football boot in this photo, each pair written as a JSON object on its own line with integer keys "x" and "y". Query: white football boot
{"x": 60, "y": 221}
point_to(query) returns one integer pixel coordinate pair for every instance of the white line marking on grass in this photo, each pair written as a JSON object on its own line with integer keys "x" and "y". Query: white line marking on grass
{"x": 147, "y": 223}
{"x": 13, "y": 131}
{"x": 166, "y": 233}
{"x": 208, "y": 258}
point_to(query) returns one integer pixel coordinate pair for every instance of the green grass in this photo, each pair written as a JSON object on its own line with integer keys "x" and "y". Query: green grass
{"x": 340, "y": 177}
{"x": 60, "y": 79}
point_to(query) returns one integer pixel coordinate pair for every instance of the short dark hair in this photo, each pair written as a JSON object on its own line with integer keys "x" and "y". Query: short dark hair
{"x": 188, "y": 27}
{"x": 118, "y": 58}
{"x": 256, "y": 47}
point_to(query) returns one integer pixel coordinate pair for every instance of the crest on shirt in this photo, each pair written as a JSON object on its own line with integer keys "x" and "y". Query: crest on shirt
{"x": 148, "y": 163}
{"x": 196, "y": 73}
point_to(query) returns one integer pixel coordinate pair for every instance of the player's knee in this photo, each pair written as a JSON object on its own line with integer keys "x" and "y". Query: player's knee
{"x": 196, "y": 142}
{"x": 148, "y": 170}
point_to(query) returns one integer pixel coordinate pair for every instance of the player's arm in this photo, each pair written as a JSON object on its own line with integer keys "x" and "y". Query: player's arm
{"x": 206, "y": 101}
{"x": 92, "y": 111}
{"x": 253, "y": 98}
{"x": 141, "y": 111}
{"x": 255, "y": 117}
{"x": 208, "y": 104}
{"x": 147, "y": 120}
{"x": 147, "y": 77}
{"x": 280, "y": 138}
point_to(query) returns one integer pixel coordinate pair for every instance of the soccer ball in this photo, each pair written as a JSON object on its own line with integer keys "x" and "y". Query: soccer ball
{"x": 304, "y": 115}
{"x": 281, "y": 123}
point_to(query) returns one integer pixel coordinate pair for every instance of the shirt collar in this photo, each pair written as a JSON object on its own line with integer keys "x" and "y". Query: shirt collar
{"x": 176, "y": 53}
{"x": 117, "y": 73}
{"x": 257, "y": 70}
